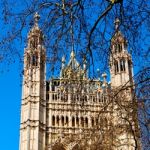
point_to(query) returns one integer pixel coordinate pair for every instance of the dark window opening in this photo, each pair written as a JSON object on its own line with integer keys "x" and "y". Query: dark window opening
{"x": 93, "y": 98}
{"x": 28, "y": 61}
{"x": 57, "y": 120}
{"x": 96, "y": 121}
{"x": 77, "y": 121}
{"x": 86, "y": 98}
{"x": 122, "y": 65}
{"x": 53, "y": 97}
{"x": 53, "y": 120}
{"x": 34, "y": 60}
{"x": 116, "y": 67}
{"x": 62, "y": 121}
{"x": 47, "y": 96}
{"x": 82, "y": 122}
{"x": 119, "y": 47}
{"x": 92, "y": 120}
{"x": 86, "y": 122}
{"x": 73, "y": 121}
{"x": 67, "y": 120}
{"x": 47, "y": 86}
{"x": 53, "y": 88}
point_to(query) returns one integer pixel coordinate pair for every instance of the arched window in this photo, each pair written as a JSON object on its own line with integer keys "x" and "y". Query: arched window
{"x": 96, "y": 121}
{"x": 57, "y": 120}
{"x": 93, "y": 98}
{"x": 34, "y": 42}
{"x": 77, "y": 121}
{"x": 99, "y": 97}
{"x": 66, "y": 97}
{"x": 86, "y": 121}
{"x": 92, "y": 121}
{"x": 28, "y": 60}
{"x": 116, "y": 67}
{"x": 82, "y": 122}
{"x": 35, "y": 60}
{"x": 118, "y": 47}
{"x": 55, "y": 96}
{"x": 53, "y": 120}
{"x": 62, "y": 120}
{"x": 73, "y": 122}
{"x": 67, "y": 120}
{"x": 86, "y": 98}
{"x": 122, "y": 65}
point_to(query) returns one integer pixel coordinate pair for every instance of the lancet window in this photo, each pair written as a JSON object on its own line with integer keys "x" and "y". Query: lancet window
{"x": 77, "y": 121}
{"x": 86, "y": 122}
{"x": 82, "y": 122}
{"x": 73, "y": 121}
{"x": 116, "y": 67}
{"x": 57, "y": 120}
{"x": 53, "y": 120}
{"x": 67, "y": 121}
{"x": 118, "y": 47}
{"x": 35, "y": 60}
{"x": 122, "y": 65}
{"x": 62, "y": 120}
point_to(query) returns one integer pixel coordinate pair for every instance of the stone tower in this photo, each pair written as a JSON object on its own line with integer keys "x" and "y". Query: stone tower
{"x": 33, "y": 106}
{"x": 124, "y": 102}
{"x": 120, "y": 60}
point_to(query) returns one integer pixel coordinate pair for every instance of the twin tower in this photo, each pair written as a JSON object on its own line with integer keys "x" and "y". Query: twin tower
{"x": 63, "y": 113}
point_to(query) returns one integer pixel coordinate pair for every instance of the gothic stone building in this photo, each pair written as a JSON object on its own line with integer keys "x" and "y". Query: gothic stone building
{"x": 74, "y": 112}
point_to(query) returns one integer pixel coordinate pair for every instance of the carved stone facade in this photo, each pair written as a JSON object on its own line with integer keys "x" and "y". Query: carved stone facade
{"x": 74, "y": 112}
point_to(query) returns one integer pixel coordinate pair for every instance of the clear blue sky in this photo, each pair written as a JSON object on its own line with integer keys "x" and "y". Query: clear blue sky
{"x": 10, "y": 97}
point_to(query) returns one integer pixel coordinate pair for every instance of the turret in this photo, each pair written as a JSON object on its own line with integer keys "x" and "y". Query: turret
{"x": 120, "y": 59}
{"x": 33, "y": 121}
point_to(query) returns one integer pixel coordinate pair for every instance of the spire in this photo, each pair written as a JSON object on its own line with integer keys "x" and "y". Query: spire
{"x": 36, "y": 19}
{"x": 117, "y": 23}
{"x": 35, "y": 36}
{"x": 104, "y": 75}
{"x": 72, "y": 55}
{"x": 63, "y": 60}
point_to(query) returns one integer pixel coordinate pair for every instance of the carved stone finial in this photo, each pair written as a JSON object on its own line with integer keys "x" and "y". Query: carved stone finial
{"x": 72, "y": 54}
{"x": 36, "y": 18}
{"x": 117, "y": 23}
{"x": 63, "y": 59}
{"x": 104, "y": 75}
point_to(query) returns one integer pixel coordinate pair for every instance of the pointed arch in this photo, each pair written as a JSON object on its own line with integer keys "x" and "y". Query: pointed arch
{"x": 122, "y": 65}
{"x": 73, "y": 121}
{"x": 92, "y": 121}
{"x": 62, "y": 120}
{"x": 82, "y": 122}
{"x": 77, "y": 121}
{"x": 57, "y": 120}
{"x": 53, "y": 120}
{"x": 116, "y": 66}
{"x": 67, "y": 121}
{"x": 86, "y": 122}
